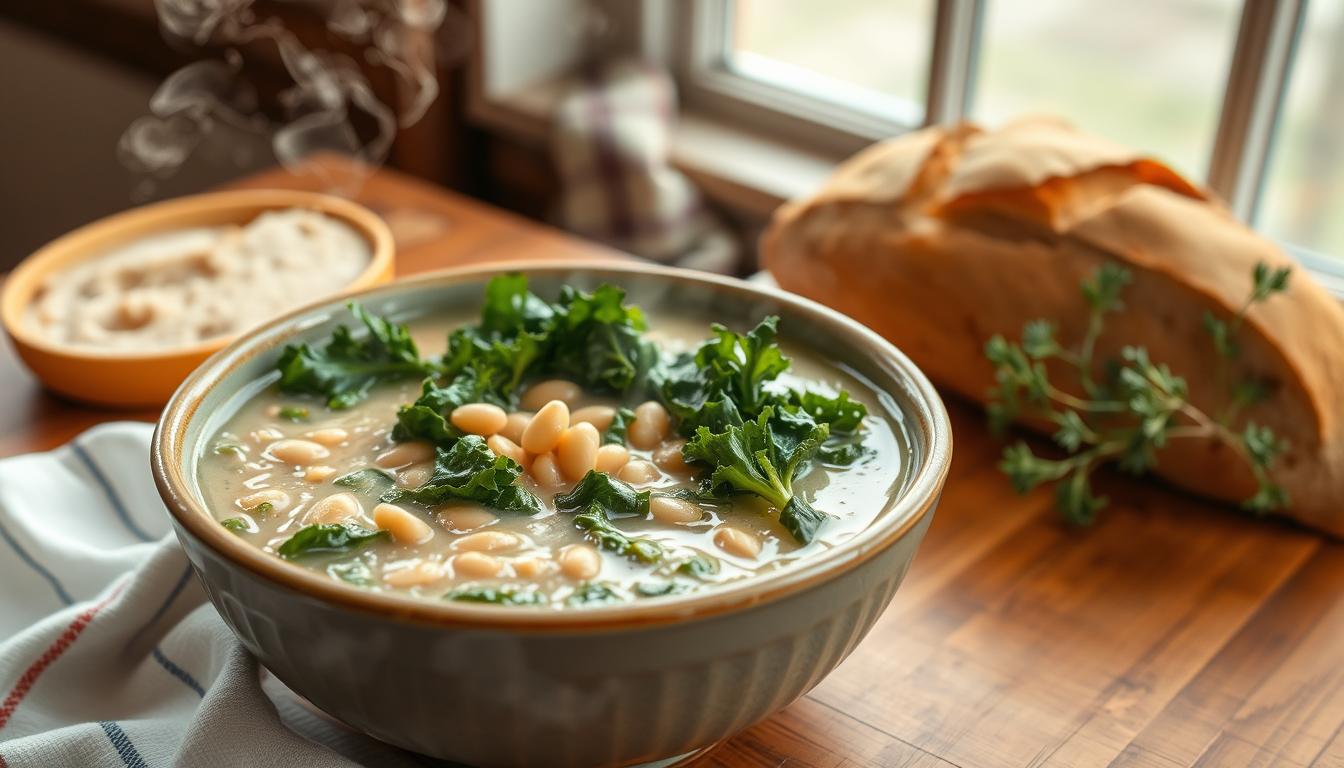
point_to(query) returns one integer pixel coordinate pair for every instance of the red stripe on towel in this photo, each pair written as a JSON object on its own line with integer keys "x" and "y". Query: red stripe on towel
{"x": 62, "y": 643}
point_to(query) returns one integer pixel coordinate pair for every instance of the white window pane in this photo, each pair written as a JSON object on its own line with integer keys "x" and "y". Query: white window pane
{"x": 1304, "y": 187}
{"x": 864, "y": 53}
{"x": 1146, "y": 73}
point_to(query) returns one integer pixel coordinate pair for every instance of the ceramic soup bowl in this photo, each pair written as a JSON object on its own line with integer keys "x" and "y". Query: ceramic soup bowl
{"x": 518, "y": 686}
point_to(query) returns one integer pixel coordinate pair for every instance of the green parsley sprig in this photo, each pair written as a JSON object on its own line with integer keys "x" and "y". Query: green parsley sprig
{"x": 1132, "y": 410}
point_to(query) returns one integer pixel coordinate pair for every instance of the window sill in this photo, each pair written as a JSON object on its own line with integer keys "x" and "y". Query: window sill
{"x": 745, "y": 171}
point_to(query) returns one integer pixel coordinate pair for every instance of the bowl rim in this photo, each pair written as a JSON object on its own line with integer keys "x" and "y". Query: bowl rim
{"x": 927, "y": 415}
{"x": 22, "y": 283}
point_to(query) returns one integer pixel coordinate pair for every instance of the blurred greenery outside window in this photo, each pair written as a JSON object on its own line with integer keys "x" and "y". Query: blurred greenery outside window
{"x": 1152, "y": 74}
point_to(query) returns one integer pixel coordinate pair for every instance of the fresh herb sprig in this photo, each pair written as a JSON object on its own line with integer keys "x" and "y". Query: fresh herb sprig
{"x": 1131, "y": 412}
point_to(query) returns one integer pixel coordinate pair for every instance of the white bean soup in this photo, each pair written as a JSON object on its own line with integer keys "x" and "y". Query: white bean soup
{"x": 559, "y": 454}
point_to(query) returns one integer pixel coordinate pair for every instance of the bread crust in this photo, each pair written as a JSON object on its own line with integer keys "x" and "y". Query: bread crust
{"x": 961, "y": 234}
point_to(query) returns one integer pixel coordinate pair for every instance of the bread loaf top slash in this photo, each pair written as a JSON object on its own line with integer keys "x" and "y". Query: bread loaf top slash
{"x": 960, "y": 233}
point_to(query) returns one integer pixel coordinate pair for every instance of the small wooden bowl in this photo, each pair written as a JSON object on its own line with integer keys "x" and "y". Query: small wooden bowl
{"x": 126, "y": 378}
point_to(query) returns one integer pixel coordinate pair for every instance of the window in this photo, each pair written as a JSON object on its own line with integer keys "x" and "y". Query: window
{"x": 885, "y": 68}
{"x": 1303, "y": 194}
{"x": 1101, "y": 64}
{"x": 1239, "y": 93}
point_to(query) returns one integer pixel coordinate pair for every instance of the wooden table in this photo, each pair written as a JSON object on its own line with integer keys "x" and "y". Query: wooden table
{"x": 1171, "y": 633}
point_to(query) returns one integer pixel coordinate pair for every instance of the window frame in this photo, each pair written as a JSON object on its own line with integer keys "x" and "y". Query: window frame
{"x": 1251, "y": 105}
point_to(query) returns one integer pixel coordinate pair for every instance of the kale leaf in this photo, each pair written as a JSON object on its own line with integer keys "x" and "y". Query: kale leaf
{"x": 592, "y": 592}
{"x": 616, "y": 498}
{"x": 842, "y": 414}
{"x": 495, "y": 596}
{"x": 602, "y": 498}
{"x": 428, "y": 417}
{"x": 369, "y": 482}
{"x": 236, "y": 524}
{"x": 328, "y": 538}
{"x": 593, "y": 339}
{"x": 346, "y": 368}
{"x": 699, "y": 566}
{"x": 620, "y": 425}
{"x": 469, "y": 470}
{"x": 763, "y": 457}
{"x": 732, "y": 367}
{"x": 595, "y": 522}
{"x": 598, "y": 342}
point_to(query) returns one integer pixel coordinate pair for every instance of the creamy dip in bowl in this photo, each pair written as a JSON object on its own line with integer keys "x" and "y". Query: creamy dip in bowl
{"x": 559, "y": 680}
{"x": 119, "y": 311}
{"x": 182, "y": 287}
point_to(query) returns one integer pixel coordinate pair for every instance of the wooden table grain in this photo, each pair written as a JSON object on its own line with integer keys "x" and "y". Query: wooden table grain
{"x": 1171, "y": 633}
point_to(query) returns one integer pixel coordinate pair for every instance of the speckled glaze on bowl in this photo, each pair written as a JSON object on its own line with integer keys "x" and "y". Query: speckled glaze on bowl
{"x": 608, "y": 685}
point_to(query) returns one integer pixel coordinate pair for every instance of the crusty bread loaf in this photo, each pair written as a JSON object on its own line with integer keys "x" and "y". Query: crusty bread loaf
{"x": 944, "y": 237}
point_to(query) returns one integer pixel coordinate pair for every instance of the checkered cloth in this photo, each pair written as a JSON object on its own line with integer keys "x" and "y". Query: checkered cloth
{"x": 110, "y": 654}
{"x": 612, "y": 131}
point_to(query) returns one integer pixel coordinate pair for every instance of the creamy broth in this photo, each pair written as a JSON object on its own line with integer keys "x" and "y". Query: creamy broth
{"x": 542, "y": 559}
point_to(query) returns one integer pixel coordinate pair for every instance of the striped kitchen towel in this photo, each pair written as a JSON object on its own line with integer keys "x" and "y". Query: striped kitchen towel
{"x": 611, "y": 145}
{"x": 110, "y": 654}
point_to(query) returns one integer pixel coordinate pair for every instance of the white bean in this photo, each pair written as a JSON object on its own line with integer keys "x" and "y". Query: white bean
{"x": 421, "y": 573}
{"x": 543, "y": 392}
{"x": 402, "y": 454}
{"x": 651, "y": 425}
{"x": 576, "y": 450}
{"x": 668, "y": 457}
{"x": 503, "y": 446}
{"x": 465, "y": 518}
{"x": 297, "y": 452}
{"x": 487, "y": 541}
{"x": 638, "y": 471}
{"x": 279, "y": 500}
{"x": 265, "y": 435}
{"x": 319, "y": 474}
{"x": 544, "y": 431}
{"x": 611, "y": 457}
{"x": 337, "y": 508}
{"x": 546, "y": 472}
{"x": 599, "y": 416}
{"x": 481, "y": 419}
{"x": 515, "y": 425}
{"x": 330, "y": 437}
{"x": 415, "y": 475}
{"x": 580, "y": 562}
{"x": 736, "y": 541}
{"x": 532, "y": 566}
{"x": 476, "y": 565}
{"x": 667, "y": 509}
{"x": 404, "y": 526}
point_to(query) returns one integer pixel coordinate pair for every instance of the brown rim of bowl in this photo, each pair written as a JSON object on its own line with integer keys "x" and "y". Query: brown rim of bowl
{"x": 361, "y": 219}
{"x": 927, "y": 415}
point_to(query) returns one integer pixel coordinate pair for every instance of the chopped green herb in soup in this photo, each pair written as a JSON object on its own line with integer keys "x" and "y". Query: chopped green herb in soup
{"x": 556, "y": 453}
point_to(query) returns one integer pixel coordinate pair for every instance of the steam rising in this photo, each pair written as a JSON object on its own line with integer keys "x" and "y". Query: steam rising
{"x": 327, "y": 95}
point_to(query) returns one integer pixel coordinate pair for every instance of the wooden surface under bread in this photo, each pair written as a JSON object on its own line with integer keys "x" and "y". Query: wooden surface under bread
{"x": 1172, "y": 633}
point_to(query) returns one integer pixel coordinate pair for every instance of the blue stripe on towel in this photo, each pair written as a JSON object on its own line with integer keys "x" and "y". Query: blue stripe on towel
{"x": 178, "y": 672}
{"x": 36, "y": 566}
{"x": 163, "y": 607}
{"x": 130, "y": 756}
{"x": 101, "y": 479}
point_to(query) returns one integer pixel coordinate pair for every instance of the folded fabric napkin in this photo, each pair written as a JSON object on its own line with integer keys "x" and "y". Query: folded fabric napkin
{"x": 110, "y": 654}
